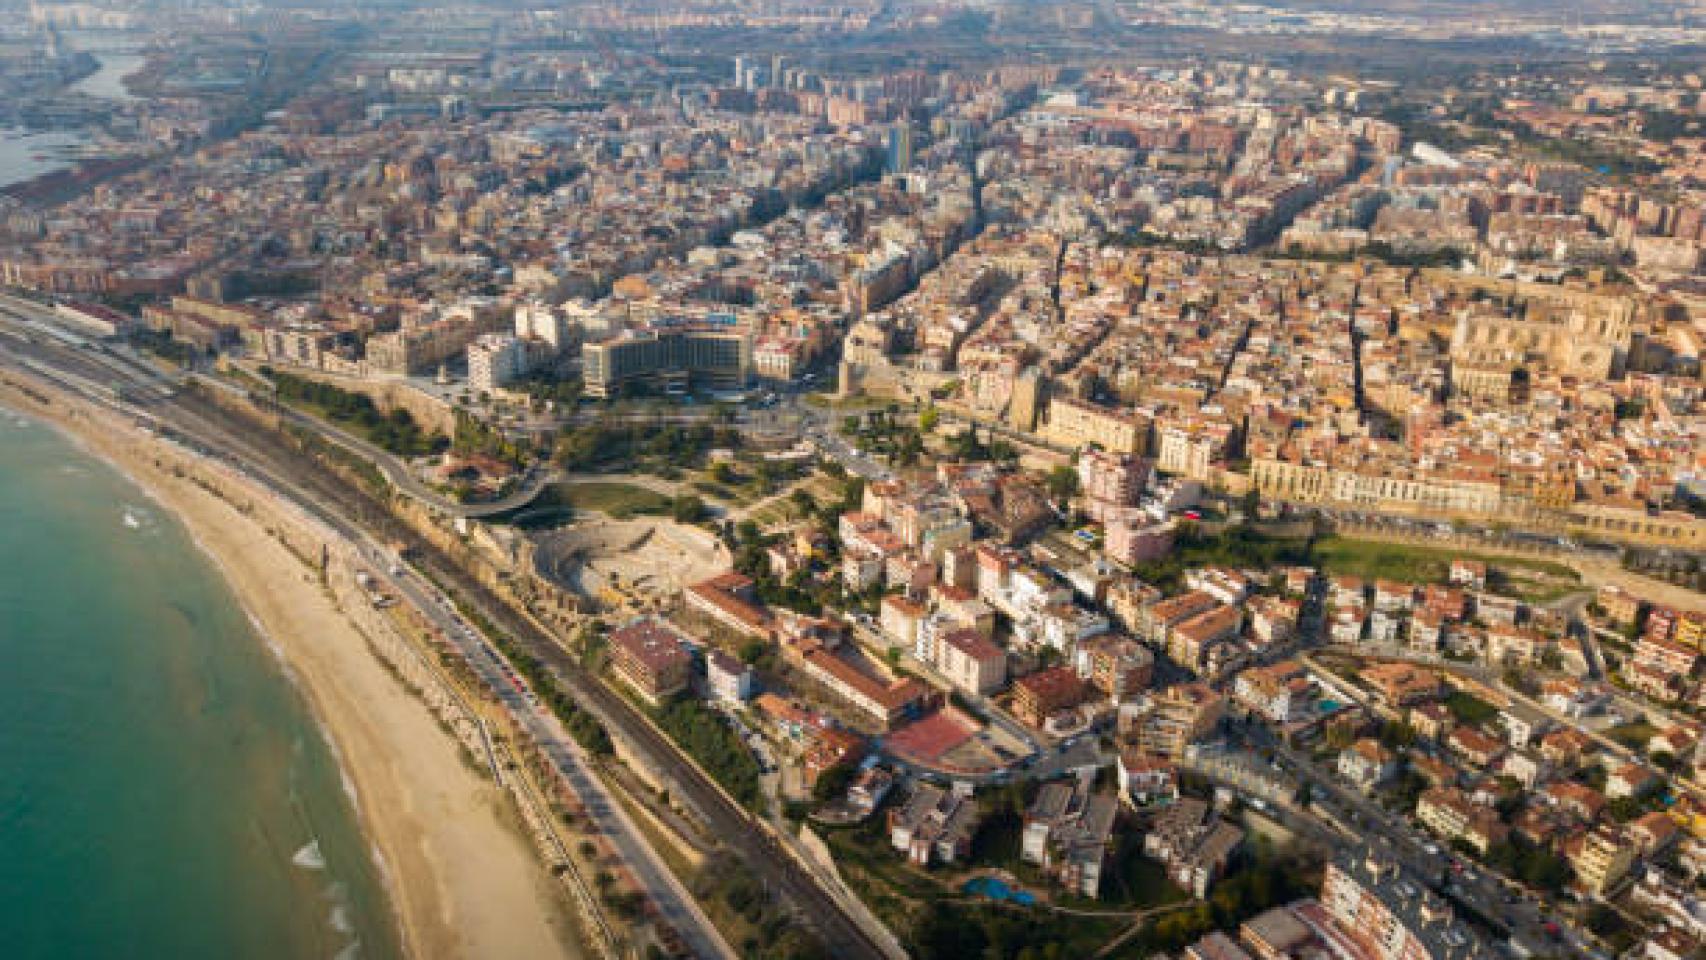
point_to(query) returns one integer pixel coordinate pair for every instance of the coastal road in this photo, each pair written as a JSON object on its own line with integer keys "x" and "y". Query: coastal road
{"x": 752, "y": 842}
{"x": 674, "y": 904}
{"x": 346, "y": 508}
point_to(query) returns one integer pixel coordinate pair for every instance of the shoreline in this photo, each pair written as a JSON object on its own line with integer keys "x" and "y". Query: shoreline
{"x": 460, "y": 877}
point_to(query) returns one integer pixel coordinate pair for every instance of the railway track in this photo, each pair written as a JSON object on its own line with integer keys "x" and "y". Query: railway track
{"x": 336, "y": 502}
{"x": 193, "y": 419}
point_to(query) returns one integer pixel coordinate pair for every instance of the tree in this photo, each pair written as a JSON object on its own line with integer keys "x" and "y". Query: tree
{"x": 911, "y": 448}
{"x": 1062, "y": 483}
{"x": 772, "y": 474}
{"x": 1395, "y": 734}
{"x": 687, "y": 508}
{"x": 928, "y": 418}
{"x": 832, "y": 783}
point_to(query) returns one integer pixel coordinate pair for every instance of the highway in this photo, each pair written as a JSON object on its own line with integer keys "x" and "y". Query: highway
{"x": 185, "y": 415}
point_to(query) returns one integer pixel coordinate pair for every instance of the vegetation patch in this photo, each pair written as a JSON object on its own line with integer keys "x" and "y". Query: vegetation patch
{"x": 617, "y": 499}
{"x": 1470, "y": 709}
{"x": 750, "y": 917}
{"x": 1633, "y": 734}
{"x": 395, "y": 432}
{"x": 711, "y": 742}
{"x": 640, "y": 446}
{"x": 1415, "y": 563}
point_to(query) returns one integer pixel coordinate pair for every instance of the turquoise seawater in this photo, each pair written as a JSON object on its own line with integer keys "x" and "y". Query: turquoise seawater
{"x": 164, "y": 791}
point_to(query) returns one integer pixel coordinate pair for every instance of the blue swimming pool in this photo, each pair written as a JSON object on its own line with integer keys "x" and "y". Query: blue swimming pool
{"x": 996, "y": 889}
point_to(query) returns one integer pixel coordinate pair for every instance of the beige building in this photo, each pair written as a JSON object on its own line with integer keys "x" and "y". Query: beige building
{"x": 1602, "y": 861}
{"x": 971, "y": 662}
{"x": 1168, "y": 721}
{"x": 1448, "y": 813}
{"x": 1074, "y": 423}
{"x": 1573, "y": 333}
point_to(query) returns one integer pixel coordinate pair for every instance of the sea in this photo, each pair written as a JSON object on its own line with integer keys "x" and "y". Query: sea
{"x": 27, "y": 153}
{"x": 164, "y": 790}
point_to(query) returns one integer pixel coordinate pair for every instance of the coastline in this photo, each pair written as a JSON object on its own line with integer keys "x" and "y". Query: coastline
{"x": 461, "y": 878}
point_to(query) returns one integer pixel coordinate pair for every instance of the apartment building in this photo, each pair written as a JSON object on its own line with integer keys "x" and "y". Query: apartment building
{"x": 1450, "y": 814}
{"x": 650, "y": 656}
{"x": 673, "y": 360}
{"x": 933, "y": 826}
{"x": 1169, "y": 720}
{"x": 1067, "y": 831}
{"x": 1193, "y": 844}
{"x": 1390, "y": 914}
{"x": 971, "y": 662}
{"x": 1602, "y": 858}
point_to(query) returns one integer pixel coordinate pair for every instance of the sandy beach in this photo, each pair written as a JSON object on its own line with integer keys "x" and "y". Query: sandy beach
{"x": 462, "y": 878}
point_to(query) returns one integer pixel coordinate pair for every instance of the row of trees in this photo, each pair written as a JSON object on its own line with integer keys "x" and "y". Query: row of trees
{"x": 583, "y": 726}
{"x": 396, "y": 431}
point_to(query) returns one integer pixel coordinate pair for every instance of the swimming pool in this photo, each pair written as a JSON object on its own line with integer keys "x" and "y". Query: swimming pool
{"x": 997, "y": 889}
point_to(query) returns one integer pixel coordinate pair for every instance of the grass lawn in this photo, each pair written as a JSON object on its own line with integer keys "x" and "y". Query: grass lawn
{"x": 777, "y": 511}
{"x": 619, "y": 500}
{"x": 829, "y": 401}
{"x": 1415, "y": 563}
{"x": 1470, "y": 709}
{"x": 716, "y": 491}
{"x": 1633, "y": 735}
